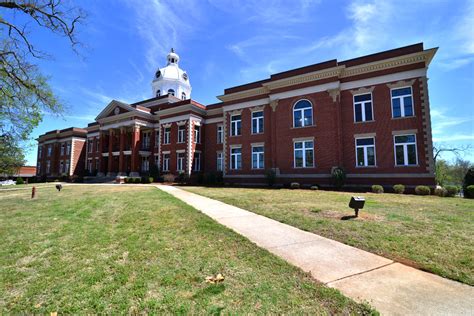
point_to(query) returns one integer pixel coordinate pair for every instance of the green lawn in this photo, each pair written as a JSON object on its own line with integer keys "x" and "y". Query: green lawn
{"x": 122, "y": 249}
{"x": 428, "y": 232}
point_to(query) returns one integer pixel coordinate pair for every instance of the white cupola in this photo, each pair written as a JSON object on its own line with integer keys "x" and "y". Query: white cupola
{"x": 172, "y": 79}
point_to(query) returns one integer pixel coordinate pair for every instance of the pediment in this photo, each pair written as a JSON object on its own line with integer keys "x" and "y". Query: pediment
{"x": 115, "y": 108}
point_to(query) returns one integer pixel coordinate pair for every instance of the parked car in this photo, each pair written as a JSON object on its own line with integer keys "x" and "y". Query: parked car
{"x": 7, "y": 182}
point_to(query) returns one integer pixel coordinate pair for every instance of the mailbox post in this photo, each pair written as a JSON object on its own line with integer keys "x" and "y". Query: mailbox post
{"x": 357, "y": 203}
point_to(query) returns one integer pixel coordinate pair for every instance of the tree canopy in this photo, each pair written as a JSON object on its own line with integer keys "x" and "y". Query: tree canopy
{"x": 25, "y": 93}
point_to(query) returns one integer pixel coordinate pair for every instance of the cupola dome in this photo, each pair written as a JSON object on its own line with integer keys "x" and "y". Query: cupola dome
{"x": 171, "y": 79}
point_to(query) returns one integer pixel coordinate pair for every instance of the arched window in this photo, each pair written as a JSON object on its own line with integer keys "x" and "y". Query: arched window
{"x": 183, "y": 96}
{"x": 302, "y": 113}
{"x": 158, "y": 93}
{"x": 171, "y": 91}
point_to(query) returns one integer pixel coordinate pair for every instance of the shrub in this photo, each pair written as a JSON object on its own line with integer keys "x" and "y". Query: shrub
{"x": 169, "y": 177}
{"x": 220, "y": 178}
{"x": 125, "y": 180}
{"x": 468, "y": 181}
{"x": 399, "y": 188}
{"x": 145, "y": 180}
{"x": 150, "y": 179}
{"x": 201, "y": 178}
{"x": 451, "y": 190}
{"x": 270, "y": 175}
{"x": 440, "y": 191}
{"x": 294, "y": 185}
{"x": 314, "y": 187}
{"x": 469, "y": 192}
{"x": 377, "y": 188}
{"x": 338, "y": 176}
{"x": 211, "y": 178}
{"x": 19, "y": 180}
{"x": 422, "y": 190}
{"x": 182, "y": 178}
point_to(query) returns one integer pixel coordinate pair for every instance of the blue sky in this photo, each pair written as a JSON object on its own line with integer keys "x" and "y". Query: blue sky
{"x": 223, "y": 43}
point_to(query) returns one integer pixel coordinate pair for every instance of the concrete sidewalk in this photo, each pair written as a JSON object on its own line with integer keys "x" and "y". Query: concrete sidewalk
{"x": 391, "y": 287}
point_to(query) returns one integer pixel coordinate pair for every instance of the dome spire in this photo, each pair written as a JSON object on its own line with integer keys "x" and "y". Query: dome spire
{"x": 172, "y": 57}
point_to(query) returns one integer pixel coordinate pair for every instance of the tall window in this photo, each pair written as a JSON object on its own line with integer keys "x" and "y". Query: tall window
{"x": 145, "y": 164}
{"x": 304, "y": 154}
{"x": 181, "y": 157}
{"x": 146, "y": 140}
{"x": 48, "y": 166}
{"x": 62, "y": 148}
{"x": 166, "y": 135}
{"x": 61, "y": 166}
{"x": 197, "y": 134}
{"x": 405, "y": 150}
{"x": 89, "y": 145}
{"x": 38, "y": 168}
{"x": 402, "y": 102}
{"x": 197, "y": 162}
{"x": 181, "y": 133}
{"x": 257, "y": 122}
{"x": 40, "y": 151}
{"x": 257, "y": 157}
{"x": 158, "y": 93}
{"x": 302, "y": 114}
{"x": 183, "y": 96}
{"x": 166, "y": 162}
{"x": 236, "y": 158}
{"x": 89, "y": 165}
{"x": 157, "y": 138}
{"x": 220, "y": 134}
{"x": 235, "y": 125}
{"x": 97, "y": 144}
{"x": 220, "y": 161}
{"x": 363, "y": 108}
{"x": 50, "y": 149}
{"x": 157, "y": 161}
{"x": 365, "y": 152}
{"x": 66, "y": 166}
{"x": 171, "y": 92}
{"x": 68, "y": 148}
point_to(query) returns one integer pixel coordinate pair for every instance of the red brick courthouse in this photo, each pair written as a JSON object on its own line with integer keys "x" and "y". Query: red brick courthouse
{"x": 369, "y": 115}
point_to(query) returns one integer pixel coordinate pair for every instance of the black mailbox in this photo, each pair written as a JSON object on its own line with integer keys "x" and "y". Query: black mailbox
{"x": 356, "y": 203}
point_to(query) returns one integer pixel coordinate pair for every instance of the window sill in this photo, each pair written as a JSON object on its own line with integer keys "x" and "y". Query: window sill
{"x": 303, "y": 168}
{"x": 235, "y": 135}
{"x": 403, "y": 117}
{"x": 260, "y": 133}
{"x": 361, "y": 167}
{"x": 405, "y": 166}
{"x": 362, "y": 122}
{"x": 299, "y": 127}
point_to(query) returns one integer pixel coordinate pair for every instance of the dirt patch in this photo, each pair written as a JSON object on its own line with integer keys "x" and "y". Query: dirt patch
{"x": 337, "y": 215}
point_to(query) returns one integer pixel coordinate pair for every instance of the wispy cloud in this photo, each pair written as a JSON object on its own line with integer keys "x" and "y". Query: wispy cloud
{"x": 162, "y": 26}
{"x": 443, "y": 126}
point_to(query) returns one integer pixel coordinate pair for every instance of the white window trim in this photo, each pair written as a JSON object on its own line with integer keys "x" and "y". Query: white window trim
{"x": 304, "y": 153}
{"x": 231, "y": 154}
{"x": 365, "y": 153}
{"x": 302, "y": 110}
{"x": 178, "y": 159}
{"x": 405, "y": 151}
{"x": 402, "y": 102}
{"x": 197, "y": 134}
{"x": 234, "y": 129}
{"x": 182, "y": 131}
{"x": 258, "y": 157}
{"x": 363, "y": 109}
{"x": 220, "y": 153}
{"x": 167, "y": 136}
{"x": 197, "y": 167}
{"x": 166, "y": 162}
{"x": 220, "y": 139}
{"x": 258, "y": 124}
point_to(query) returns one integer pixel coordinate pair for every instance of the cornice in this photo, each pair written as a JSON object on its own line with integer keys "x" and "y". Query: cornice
{"x": 243, "y": 94}
{"x": 424, "y": 56}
{"x": 304, "y": 78}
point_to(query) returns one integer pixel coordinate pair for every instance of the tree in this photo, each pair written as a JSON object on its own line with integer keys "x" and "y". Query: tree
{"x": 24, "y": 92}
{"x": 439, "y": 149}
{"x": 11, "y": 156}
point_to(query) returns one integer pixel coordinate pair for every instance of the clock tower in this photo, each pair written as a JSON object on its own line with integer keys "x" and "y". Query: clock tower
{"x": 171, "y": 79}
